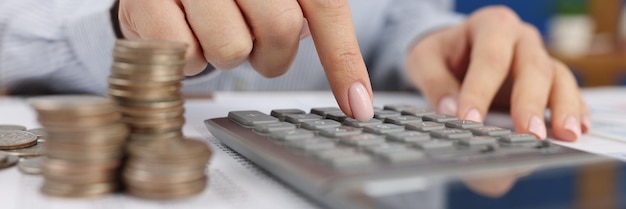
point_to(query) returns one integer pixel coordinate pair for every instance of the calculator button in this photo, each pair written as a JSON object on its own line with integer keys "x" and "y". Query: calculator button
{"x": 290, "y": 135}
{"x": 281, "y": 113}
{"x": 402, "y": 156}
{"x": 299, "y": 118}
{"x": 518, "y": 138}
{"x": 418, "y": 112}
{"x": 408, "y": 136}
{"x": 490, "y": 131}
{"x": 251, "y": 117}
{"x": 425, "y": 126}
{"x": 478, "y": 141}
{"x": 451, "y": 133}
{"x": 273, "y": 127}
{"x": 401, "y": 120}
{"x": 340, "y": 131}
{"x": 348, "y": 160}
{"x": 399, "y": 107}
{"x": 434, "y": 144}
{"x": 313, "y": 144}
{"x": 337, "y": 115}
{"x": 382, "y": 114}
{"x": 355, "y": 123}
{"x": 439, "y": 118}
{"x": 383, "y": 128}
{"x": 463, "y": 124}
{"x": 320, "y": 124}
{"x": 361, "y": 140}
{"x": 323, "y": 111}
{"x": 379, "y": 149}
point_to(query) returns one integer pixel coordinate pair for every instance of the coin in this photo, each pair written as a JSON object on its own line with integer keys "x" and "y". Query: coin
{"x": 73, "y": 105}
{"x": 3, "y": 156}
{"x": 39, "y": 132}
{"x": 186, "y": 192}
{"x": 12, "y": 127}
{"x": 16, "y": 139}
{"x": 31, "y": 165}
{"x": 59, "y": 189}
{"x": 9, "y": 161}
{"x": 32, "y": 151}
{"x": 152, "y": 46}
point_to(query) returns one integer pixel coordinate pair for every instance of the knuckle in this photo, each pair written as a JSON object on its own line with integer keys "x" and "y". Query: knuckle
{"x": 496, "y": 62}
{"x": 232, "y": 51}
{"x": 285, "y": 24}
{"x": 500, "y": 13}
{"x": 330, "y": 4}
{"x": 530, "y": 31}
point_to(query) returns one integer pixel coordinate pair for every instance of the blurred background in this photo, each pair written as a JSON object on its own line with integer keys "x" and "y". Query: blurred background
{"x": 587, "y": 35}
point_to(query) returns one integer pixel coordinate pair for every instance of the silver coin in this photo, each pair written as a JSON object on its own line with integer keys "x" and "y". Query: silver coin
{"x": 3, "y": 156}
{"x": 6, "y": 127}
{"x": 16, "y": 139}
{"x": 32, "y": 151}
{"x": 31, "y": 165}
{"x": 39, "y": 132}
{"x": 10, "y": 161}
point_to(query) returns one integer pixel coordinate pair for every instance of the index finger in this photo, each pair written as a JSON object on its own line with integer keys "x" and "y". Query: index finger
{"x": 330, "y": 23}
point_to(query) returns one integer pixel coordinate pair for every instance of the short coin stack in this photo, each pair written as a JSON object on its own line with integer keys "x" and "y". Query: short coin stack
{"x": 168, "y": 169}
{"x": 84, "y": 144}
{"x": 146, "y": 79}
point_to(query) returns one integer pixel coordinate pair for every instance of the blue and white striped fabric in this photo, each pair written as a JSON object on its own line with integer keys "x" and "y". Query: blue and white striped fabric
{"x": 67, "y": 45}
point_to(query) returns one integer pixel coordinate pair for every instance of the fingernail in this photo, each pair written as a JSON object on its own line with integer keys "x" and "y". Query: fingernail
{"x": 474, "y": 115}
{"x": 360, "y": 102}
{"x": 586, "y": 123}
{"x": 305, "y": 32}
{"x": 573, "y": 127}
{"x": 538, "y": 127}
{"x": 447, "y": 105}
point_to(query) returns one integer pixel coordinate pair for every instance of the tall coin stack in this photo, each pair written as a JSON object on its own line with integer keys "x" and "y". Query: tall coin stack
{"x": 146, "y": 79}
{"x": 85, "y": 140}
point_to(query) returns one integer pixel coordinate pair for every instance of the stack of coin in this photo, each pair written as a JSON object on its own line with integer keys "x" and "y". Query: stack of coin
{"x": 146, "y": 79}
{"x": 84, "y": 144}
{"x": 168, "y": 169}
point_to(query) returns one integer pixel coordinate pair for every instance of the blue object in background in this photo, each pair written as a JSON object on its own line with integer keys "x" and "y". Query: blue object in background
{"x": 536, "y": 12}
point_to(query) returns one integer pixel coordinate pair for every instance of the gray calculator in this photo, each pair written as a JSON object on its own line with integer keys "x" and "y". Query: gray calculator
{"x": 340, "y": 162}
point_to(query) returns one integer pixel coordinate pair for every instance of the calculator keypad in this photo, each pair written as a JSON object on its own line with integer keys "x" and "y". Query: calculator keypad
{"x": 398, "y": 134}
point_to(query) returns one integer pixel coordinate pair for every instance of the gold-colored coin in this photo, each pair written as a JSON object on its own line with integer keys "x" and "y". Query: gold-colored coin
{"x": 170, "y": 150}
{"x": 121, "y": 68}
{"x": 61, "y": 124}
{"x": 64, "y": 166}
{"x": 77, "y": 105}
{"x": 7, "y": 127}
{"x": 60, "y": 189}
{"x": 150, "y": 105}
{"x": 16, "y": 139}
{"x": 152, "y": 46}
{"x": 31, "y": 165}
{"x": 33, "y": 151}
{"x": 190, "y": 191}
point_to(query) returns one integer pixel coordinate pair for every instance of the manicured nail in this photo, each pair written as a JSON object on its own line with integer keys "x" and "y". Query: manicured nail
{"x": 538, "y": 127}
{"x": 474, "y": 115}
{"x": 447, "y": 105}
{"x": 586, "y": 123}
{"x": 573, "y": 127}
{"x": 305, "y": 32}
{"x": 360, "y": 102}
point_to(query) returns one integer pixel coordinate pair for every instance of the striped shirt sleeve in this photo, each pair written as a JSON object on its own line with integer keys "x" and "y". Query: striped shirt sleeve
{"x": 60, "y": 45}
